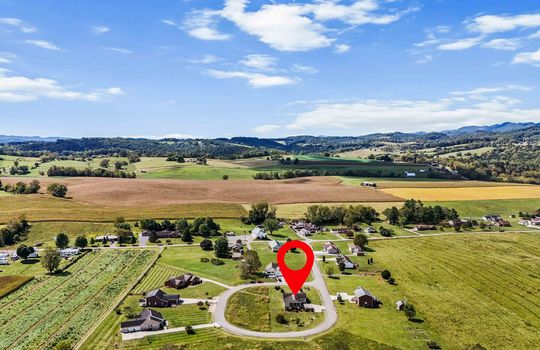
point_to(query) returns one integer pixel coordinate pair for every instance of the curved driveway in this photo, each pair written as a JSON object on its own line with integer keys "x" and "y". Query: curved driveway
{"x": 318, "y": 282}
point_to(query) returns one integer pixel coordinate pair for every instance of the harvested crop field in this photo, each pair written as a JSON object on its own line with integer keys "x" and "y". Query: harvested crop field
{"x": 9, "y": 284}
{"x": 466, "y": 193}
{"x": 120, "y": 193}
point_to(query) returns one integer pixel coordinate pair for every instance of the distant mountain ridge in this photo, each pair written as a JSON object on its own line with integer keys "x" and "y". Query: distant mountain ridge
{"x": 496, "y": 128}
{"x": 13, "y": 138}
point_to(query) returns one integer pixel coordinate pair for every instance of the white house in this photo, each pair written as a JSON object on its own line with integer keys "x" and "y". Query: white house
{"x": 408, "y": 174}
{"x": 330, "y": 248}
{"x": 110, "y": 238}
{"x": 346, "y": 262}
{"x": 69, "y": 252}
{"x": 370, "y": 230}
{"x": 272, "y": 270}
{"x": 4, "y": 259}
{"x": 258, "y": 233}
{"x": 274, "y": 245}
{"x": 356, "y": 250}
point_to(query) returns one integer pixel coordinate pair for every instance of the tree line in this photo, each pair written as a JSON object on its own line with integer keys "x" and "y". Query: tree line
{"x": 415, "y": 212}
{"x": 56, "y": 170}
{"x": 15, "y": 231}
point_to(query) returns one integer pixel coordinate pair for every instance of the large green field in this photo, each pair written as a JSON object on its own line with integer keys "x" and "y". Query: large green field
{"x": 470, "y": 289}
{"x": 52, "y": 308}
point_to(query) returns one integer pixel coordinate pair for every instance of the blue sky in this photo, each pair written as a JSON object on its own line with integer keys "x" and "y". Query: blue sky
{"x": 265, "y": 68}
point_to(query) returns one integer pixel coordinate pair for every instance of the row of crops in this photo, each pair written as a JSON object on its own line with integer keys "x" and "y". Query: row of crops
{"x": 63, "y": 307}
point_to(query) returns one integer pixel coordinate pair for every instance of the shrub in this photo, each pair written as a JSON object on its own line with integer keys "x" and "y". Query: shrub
{"x": 217, "y": 261}
{"x": 189, "y": 330}
{"x": 205, "y": 260}
{"x": 386, "y": 274}
{"x": 392, "y": 280}
{"x": 431, "y": 344}
{"x": 206, "y": 244}
{"x": 280, "y": 318}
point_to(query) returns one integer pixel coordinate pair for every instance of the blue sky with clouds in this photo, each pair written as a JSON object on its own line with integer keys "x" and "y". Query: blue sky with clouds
{"x": 265, "y": 68}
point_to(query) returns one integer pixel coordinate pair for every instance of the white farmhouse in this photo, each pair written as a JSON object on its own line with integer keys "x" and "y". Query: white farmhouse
{"x": 258, "y": 233}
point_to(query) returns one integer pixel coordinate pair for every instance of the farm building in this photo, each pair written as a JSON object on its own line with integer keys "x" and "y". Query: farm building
{"x": 356, "y": 250}
{"x": 258, "y": 233}
{"x": 65, "y": 253}
{"x": 424, "y": 228}
{"x": 4, "y": 259}
{"x": 183, "y": 281}
{"x": 503, "y": 223}
{"x": 236, "y": 256}
{"x": 292, "y": 301}
{"x": 346, "y": 262}
{"x": 274, "y": 245}
{"x": 272, "y": 270}
{"x": 491, "y": 218}
{"x": 369, "y": 184}
{"x": 158, "y": 298}
{"x": 400, "y": 304}
{"x": 362, "y": 297}
{"x": 330, "y": 248}
{"x": 149, "y": 320}
{"x": 340, "y": 230}
{"x": 408, "y": 174}
{"x": 163, "y": 234}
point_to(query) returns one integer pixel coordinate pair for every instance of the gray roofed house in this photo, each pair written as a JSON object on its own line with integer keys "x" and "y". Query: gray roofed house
{"x": 158, "y": 298}
{"x": 330, "y": 248}
{"x": 272, "y": 270}
{"x": 292, "y": 301}
{"x": 183, "y": 281}
{"x": 363, "y": 297}
{"x": 346, "y": 262}
{"x": 148, "y": 320}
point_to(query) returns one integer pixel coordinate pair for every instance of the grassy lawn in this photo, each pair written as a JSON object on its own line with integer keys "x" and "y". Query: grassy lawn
{"x": 472, "y": 289}
{"x": 158, "y": 274}
{"x": 189, "y": 259}
{"x": 31, "y": 267}
{"x": 384, "y": 324}
{"x": 256, "y": 309}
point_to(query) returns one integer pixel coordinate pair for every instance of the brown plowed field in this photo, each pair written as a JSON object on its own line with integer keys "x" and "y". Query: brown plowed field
{"x": 138, "y": 192}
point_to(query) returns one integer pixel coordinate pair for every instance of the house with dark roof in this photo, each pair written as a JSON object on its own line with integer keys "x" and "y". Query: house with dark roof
{"x": 294, "y": 302}
{"x": 163, "y": 234}
{"x": 148, "y": 320}
{"x": 183, "y": 281}
{"x": 362, "y": 297}
{"x": 158, "y": 298}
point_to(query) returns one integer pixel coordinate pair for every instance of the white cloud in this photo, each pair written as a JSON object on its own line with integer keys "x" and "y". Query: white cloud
{"x": 425, "y": 59}
{"x": 206, "y": 59}
{"x": 7, "y": 57}
{"x": 256, "y": 80}
{"x": 489, "y": 24}
{"x": 21, "y": 89}
{"x": 368, "y": 116}
{"x": 17, "y": 23}
{"x": 266, "y": 129}
{"x": 503, "y": 44}
{"x": 201, "y": 24}
{"x": 281, "y": 26}
{"x": 119, "y": 50}
{"x": 100, "y": 29}
{"x": 528, "y": 57}
{"x": 462, "y": 44}
{"x": 292, "y": 26}
{"x": 169, "y": 22}
{"x": 261, "y": 62}
{"x": 43, "y": 44}
{"x": 491, "y": 90}
{"x": 534, "y": 36}
{"x": 342, "y": 48}
{"x": 300, "y": 68}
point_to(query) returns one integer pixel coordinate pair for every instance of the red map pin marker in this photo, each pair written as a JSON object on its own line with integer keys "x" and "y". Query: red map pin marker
{"x": 295, "y": 278}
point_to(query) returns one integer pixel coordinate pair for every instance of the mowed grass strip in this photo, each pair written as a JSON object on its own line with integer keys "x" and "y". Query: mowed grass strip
{"x": 467, "y": 193}
{"x": 8, "y": 284}
{"x": 472, "y": 289}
